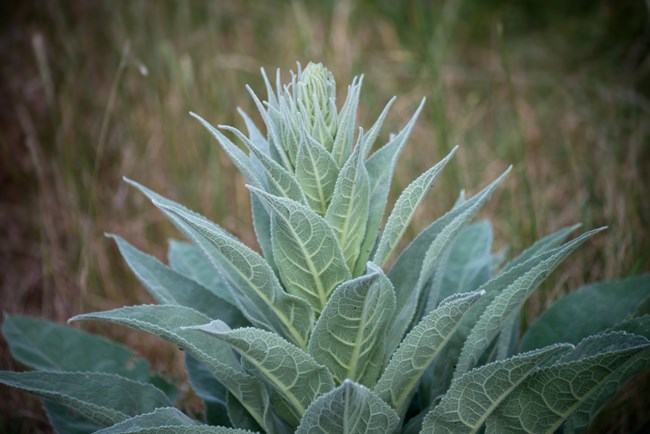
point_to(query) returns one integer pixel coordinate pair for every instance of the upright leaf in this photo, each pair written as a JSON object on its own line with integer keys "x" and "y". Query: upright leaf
{"x": 509, "y": 300}
{"x": 307, "y": 252}
{"x": 252, "y": 282}
{"x": 316, "y": 172}
{"x": 349, "y": 335}
{"x": 414, "y": 267}
{"x": 419, "y": 348}
{"x": 347, "y": 121}
{"x": 348, "y": 212}
{"x": 293, "y": 374}
{"x": 103, "y": 398}
{"x": 556, "y": 391}
{"x": 474, "y": 396}
{"x": 373, "y": 132}
{"x": 404, "y": 210}
{"x": 349, "y": 409}
{"x": 380, "y": 167}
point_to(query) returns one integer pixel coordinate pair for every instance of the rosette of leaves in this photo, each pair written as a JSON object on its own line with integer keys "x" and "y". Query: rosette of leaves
{"x": 328, "y": 328}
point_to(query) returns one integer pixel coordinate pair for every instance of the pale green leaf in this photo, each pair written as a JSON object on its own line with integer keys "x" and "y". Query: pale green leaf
{"x": 169, "y": 287}
{"x": 404, "y": 210}
{"x": 179, "y": 429}
{"x": 254, "y": 134}
{"x": 169, "y": 322}
{"x": 281, "y": 182}
{"x": 316, "y": 172}
{"x": 380, "y": 167}
{"x": 189, "y": 260}
{"x": 415, "y": 266}
{"x": 509, "y": 300}
{"x": 238, "y": 416}
{"x": 349, "y": 409}
{"x": 252, "y": 282}
{"x": 347, "y": 121}
{"x": 419, "y": 349}
{"x": 371, "y": 136}
{"x": 66, "y": 421}
{"x": 44, "y": 345}
{"x": 291, "y": 372}
{"x": 348, "y": 211}
{"x": 262, "y": 227}
{"x": 589, "y": 310}
{"x": 160, "y": 417}
{"x": 542, "y": 402}
{"x": 103, "y": 398}
{"x": 349, "y": 335}
{"x": 474, "y": 396}
{"x": 307, "y": 252}
{"x": 211, "y": 391}
{"x": 544, "y": 245}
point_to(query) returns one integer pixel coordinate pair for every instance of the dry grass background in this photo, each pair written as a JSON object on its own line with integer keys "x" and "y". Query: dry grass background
{"x": 92, "y": 91}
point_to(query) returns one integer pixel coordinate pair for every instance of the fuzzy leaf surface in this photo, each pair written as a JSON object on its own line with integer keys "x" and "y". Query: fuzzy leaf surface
{"x": 509, "y": 300}
{"x": 349, "y": 335}
{"x": 252, "y": 281}
{"x": 211, "y": 391}
{"x": 160, "y": 417}
{"x": 419, "y": 348}
{"x": 474, "y": 396}
{"x": 306, "y": 250}
{"x": 380, "y": 167}
{"x": 404, "y": 210}
{"x": 542, "y": 402}
{"x": 588, "y": 311}
{"x": 291, "y": 372}
{"x": 316, "y": 172}
{"x": 348, "y": 212}
{"x": 349, "y": 409}
{"x": 103, "y": 398}
{"x": 347, "y": 121}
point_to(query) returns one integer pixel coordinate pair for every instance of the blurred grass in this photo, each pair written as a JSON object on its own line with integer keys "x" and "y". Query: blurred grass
{"x": 93, "y": 91}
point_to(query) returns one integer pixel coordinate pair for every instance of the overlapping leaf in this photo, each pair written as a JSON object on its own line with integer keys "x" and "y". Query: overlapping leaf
{"x": 349, "y": 335}
{"x": 160, "y": 417}
{"x": 316, "y": 172}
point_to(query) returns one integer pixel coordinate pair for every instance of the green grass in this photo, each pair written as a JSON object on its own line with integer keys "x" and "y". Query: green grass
{"x": 97, "y": 90}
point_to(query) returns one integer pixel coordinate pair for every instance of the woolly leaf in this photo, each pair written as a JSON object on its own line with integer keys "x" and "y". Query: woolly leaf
{"x": 160, "y": 417}
{"x": 316, "y": 172}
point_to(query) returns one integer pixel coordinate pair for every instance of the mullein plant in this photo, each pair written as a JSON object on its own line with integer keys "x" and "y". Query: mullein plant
{"x": 330, "y": 329}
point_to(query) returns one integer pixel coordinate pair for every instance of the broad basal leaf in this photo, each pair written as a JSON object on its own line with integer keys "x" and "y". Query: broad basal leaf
{"x": 306, "y": 250}
{"x": 103, "y": 398}
{"x": 47, "y": 346}
{"x": 253, "y": 283}
{"x": 414, "y": 267}
{"x": 380, "y": 167}
{"x": 509, "y": 300}
{"x": 211, "y": 391}
{"x": 587, "y": 311}
{"x": 349, "y": 409}
{"x": 348, "y": 212}
{"x": 169, "y": 287}
{"x": 292, "y": 373}
{"x": 316, "y": 172}
{"x": 542, "y": 402}
{"x": 349, "y": 335}
{"x": 404, "y": 210}
{"x": 419, "y": 348}
{"x": 474, "y": 396}
{"x": 169, "y": 322}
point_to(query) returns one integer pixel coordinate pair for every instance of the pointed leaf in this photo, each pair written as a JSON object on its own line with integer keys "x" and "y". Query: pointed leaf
{"x": 254, "y": 134}
{"x": 48, "y": 346}
{"x": 542, "y": 402}
{"x": 168, "y": 322}
{"x": 588, "y": 311}
{"x": 294, "y": 374}
{"x": 103, "y": 398}
{"x": 349, "y": 335}
{"x": 347, "y": 122}
{"x": 253, "y": 283}
{"x": 474, "y": 396}
{"x": 349, "y": 409}
{"x": 307, "y": 252}
{"x": 348, "y": 212}
{"x": 544, "y": 245}
{"x": 509, "y": 300}
{"x": 414, "y": 267}
{"x": 370, "y": 138}
{"x": 380, "y": 167}
{"x": 262, "y": 227}
{"x": 316, "y": 172}
{"x": 170, "y": 287}
{"x": 419, "y": 348}
{"x": 404, "y": 210}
